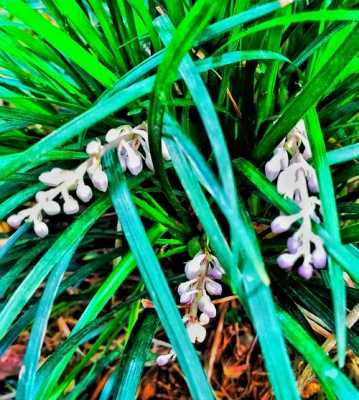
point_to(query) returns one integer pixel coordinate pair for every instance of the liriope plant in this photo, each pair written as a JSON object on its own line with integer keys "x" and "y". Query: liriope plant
{"x": 152, "y": 140}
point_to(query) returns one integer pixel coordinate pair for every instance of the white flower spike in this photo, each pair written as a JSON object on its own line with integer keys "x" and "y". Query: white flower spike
{"x": 132, "y": 148}
{"x": 296, "y": 179}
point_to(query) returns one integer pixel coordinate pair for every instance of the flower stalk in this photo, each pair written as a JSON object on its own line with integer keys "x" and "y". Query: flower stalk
{"x": 132, "y": 151}
{"x": 296, "y": 179}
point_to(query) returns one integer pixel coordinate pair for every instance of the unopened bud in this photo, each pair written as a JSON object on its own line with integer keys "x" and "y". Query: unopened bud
{"x": 51, "y": 208}
{"x": 15, "y": 220}
{"x": 41, "y": 229}
{"x": 71, "y": 206}
{"x": 305, "y": 271}
{"x": 84, "y": 193}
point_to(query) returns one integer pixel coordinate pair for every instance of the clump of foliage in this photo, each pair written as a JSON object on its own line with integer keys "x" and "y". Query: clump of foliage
{"x": 193, "y": 99}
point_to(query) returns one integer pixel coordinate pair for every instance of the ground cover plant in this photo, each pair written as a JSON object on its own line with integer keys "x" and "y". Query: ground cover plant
{"x": 178, "y": 199}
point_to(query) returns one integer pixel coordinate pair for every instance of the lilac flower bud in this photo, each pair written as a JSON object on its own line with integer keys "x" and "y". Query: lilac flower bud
{"x": 71, "y": 206}
{"x": 41, "y": 229}
{"x": 99, "y": 180}
{"x": 196, "y": 332}
{"x": 286, "y": 260}
{"x": 206, "y": 306}
{"x": 188, "y": 297}
{"x": 203, "y": 319}
{"x": 313, "y": 183}
{"x": 305, "y": 271}
{"x": 213, "y": 288}
{"x": 293, "y": 244}
{"x": 112, "y": 135}
{"x": 193, "y": 267}
{"x": 163, "y": 359}
{"x": 184, "y": 287}
{"x": 15, "y": 220}
{"x": 215, "y": 270}
{"x": 273, "y": 168}
{"x": 319, "y": 257}
{"x": 94, "y": 148}
{"x": 51, "y": 208}
{"x": 282, "y": 223}
{"x": 84, "y": 193}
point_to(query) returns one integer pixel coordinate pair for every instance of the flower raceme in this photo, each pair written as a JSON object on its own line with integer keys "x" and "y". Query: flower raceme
{"x": 296, "y": 179}
{"x": 202, "y": 273}
{"x": 132, "y": 150}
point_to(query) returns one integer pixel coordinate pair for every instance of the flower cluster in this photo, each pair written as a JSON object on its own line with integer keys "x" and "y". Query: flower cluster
{"x": 132, "y": 148}
{"x": 296, "y": 179}
{"x": 202, "y": 273}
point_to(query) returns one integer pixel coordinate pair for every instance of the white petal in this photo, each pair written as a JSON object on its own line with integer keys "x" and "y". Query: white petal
{"x": 112, "y": 135}
{"x": 94, "y": 148}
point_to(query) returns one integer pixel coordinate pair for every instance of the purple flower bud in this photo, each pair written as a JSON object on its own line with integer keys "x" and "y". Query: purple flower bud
{"x": 213, "y": 288}
{"x": 188, "y": 297}
{"x": 282, "y": 223}
{"x": 163, "y": 359}
{"x": 193, "y": 267}
{"x": 183, "y": 287}
{"x": 286, "y": 260}
{"x": 41, "y": 229}
{"x": 15, "y": 220}
{"x": 319, "y": 257}
{"x": 293, "y": 244}
{"x": 305, "y": 271}
{"x": 206, "y": 306}
{"x": 215, "y": 270}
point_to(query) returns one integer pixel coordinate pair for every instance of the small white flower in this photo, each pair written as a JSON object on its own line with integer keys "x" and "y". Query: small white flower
{"x": 196, "y": 332}
{"x": 94, "y": 148}
{"x": 133, "y": 160}
{"x": 112, "y": 135}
